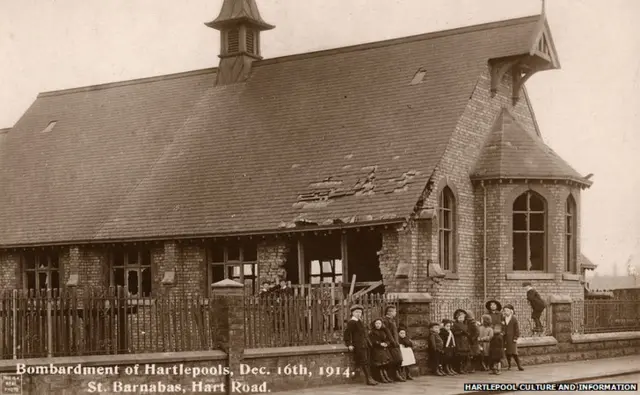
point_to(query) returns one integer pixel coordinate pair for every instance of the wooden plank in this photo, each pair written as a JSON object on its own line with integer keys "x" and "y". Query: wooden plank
{"x": 353, "y": 285}
{"x": 344, "y": 257}
{"x": 302, "y": 275}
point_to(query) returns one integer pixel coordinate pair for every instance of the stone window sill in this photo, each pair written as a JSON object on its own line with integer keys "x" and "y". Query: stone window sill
{"x": 571, "y": 277}
{"x": 530, "y": 276}
{"x": 451, "y": 276}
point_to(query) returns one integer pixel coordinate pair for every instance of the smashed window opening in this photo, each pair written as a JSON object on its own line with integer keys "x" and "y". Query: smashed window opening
{"x": 237, "y": 261}
{"x": 131, "y": 269}
{"x": 363, "y": 249}
{"x": 41, "y": 270}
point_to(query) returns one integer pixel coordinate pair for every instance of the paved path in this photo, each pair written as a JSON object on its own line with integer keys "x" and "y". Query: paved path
{"x": 453, "y": 385}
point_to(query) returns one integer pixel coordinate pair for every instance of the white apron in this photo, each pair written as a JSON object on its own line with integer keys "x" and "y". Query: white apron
{"x": 407, "y": 356}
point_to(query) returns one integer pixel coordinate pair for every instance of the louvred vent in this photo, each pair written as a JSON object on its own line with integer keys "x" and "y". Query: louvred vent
{"x": 233, "y": 41}
{"x": 251, "y": 40}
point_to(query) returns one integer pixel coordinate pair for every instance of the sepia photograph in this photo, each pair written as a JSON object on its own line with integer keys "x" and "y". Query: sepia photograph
{"x": 311, "y": 197}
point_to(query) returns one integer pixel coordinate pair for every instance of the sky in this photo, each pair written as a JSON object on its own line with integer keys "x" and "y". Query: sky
{"x": 588, "y": 111}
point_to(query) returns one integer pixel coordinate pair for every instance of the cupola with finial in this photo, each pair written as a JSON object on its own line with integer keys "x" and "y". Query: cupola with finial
{"x": 240, "y": 25}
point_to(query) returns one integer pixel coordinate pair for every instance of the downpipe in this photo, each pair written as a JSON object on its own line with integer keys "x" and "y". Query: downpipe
{"x": 484, "y": 241}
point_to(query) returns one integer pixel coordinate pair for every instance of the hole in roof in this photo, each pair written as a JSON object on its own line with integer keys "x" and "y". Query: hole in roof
{"x": 50, "y": 127}
{"x": 419, "y": 77}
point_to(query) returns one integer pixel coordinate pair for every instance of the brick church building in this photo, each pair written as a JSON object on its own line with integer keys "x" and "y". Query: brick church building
{"x": 415, "y": 161}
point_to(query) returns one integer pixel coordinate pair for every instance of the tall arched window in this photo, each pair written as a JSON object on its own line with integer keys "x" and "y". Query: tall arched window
{"x": 571, "y": 241}
{"x": 529, "y": 224}
{"x": 446, "y": 229}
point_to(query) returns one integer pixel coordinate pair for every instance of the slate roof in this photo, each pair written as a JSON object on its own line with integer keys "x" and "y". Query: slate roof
{"x": 234, "y": 10}
{"x": 332, "y": 136}
{"x": 512, "y": 152}
{"x": 3, "y": 134}
{"x": 586, "y": 263}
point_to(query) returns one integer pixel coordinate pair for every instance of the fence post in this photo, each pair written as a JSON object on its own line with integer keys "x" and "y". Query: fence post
{"x": 49, "y": 325}
{"x": 561, "y": 326}
{"x": 413, "y": 312}
{"x": 231, "y": 294}
{"x": 14, "y": 324}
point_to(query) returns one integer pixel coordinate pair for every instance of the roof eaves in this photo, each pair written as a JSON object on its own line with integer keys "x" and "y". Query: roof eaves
{"x": 307, "y": 228}
{"x": 476, "y": 177}
{"x": 4, "y": 130}
{"x": 128, "y": 82}
{"x": 401, "y": 40}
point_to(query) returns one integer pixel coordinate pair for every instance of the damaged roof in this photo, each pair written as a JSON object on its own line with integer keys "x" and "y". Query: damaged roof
{"x": 512, "y": 152}
{"x": 337, "y": 136}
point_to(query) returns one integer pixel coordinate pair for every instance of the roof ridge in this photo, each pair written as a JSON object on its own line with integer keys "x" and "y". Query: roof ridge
{"x": 134, "y": 81}
{"x": 400, "y": 40}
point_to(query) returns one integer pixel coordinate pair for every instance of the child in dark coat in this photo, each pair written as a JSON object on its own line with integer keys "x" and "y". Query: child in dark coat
{"x": 380, "y": 355}
{"x": 511, "y": 330}
{"x": 389, "y": 322}
{"x": 474, "y": 345}
{"x": 496, "y": 351}
{"x": 537, "y": 307}
{"x": 449, "y": 353}
{"x": 463, "y": 347}
{"x": 435, "y": 349}
{"x": 357, "y": 341}
{"x": 406, "y": 348}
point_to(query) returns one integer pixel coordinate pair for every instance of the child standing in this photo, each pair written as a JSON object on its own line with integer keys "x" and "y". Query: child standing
{"x": 496, "y": 351}
{"x": 449, "y": 347}
{"x": 474, "y": 345}
{"x": 406, "y": 348}
{"x": 356, "y": 339}
{"x": 394, "y": 347}
{"x": 511, "y": 336}
{"x": 461, "y": 335}
{"x": 485, "y": 333}
{"x": 494, "y": 309}
{"x": 380, "y": 356}
{"x": 435, "y": 350}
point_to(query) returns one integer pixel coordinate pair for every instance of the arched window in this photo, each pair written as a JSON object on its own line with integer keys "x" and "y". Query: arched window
{"x": 529, "y": 223}
{"x": 571, "y": 240}
{"x": 446, "y": 229}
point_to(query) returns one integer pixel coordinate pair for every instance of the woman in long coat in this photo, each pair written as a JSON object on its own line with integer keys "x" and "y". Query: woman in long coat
{"x": 394, "y": 348}
{"x": 511, "y": 330}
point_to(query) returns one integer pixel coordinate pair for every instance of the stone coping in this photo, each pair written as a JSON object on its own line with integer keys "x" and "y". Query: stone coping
{"x": 530, "y": 276}
{"x": 599, "y": 337}
{"x": 537, "y": 341}
{"x": 571, "y": 277}
{"x": 560, "y": 299}
{"x": 9, "y": 365}
{"x": 292, "y": 351}
{"x": 412, "y": 297}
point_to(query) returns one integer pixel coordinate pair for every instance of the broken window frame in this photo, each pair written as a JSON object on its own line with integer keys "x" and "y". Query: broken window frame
{"x": 570, "y": 236}
{"x": 333, "y": 274}
{"x": 528, "y": 232}
{"x": 142, "y": 255}
{"x": 230, "y": 265}
{"x": 44, "y": 263}
{"x": 446, "y": 231}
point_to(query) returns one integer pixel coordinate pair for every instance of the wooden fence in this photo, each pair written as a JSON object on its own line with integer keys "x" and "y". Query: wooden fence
{"x": 605, "y": 315}
{"x": 315, "y": 317}
{"x": 103, "y": 321}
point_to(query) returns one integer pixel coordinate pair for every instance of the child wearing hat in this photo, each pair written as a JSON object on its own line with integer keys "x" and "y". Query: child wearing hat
{"x": 380, "y": 355}
{"x": 460, "y": 331}
{"x": 494, "y": 309}
{"x": 511, "y": 334}
{"x": 357, "y": 340}
{"x": 449, "y": 350}
{"x": 435, "y": 349}
{"x": 406, "y": 348}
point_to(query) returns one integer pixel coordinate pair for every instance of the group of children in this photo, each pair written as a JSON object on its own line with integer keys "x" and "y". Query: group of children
{"x": 463, "y": 345}
{"x": 384, "y": 352}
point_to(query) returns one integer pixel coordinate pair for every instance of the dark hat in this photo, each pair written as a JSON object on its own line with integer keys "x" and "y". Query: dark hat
{"x": 498, "y": 305}
{"x": 510, "y": 307}
{"x": 431, "y": 325}
{"x": 458, "y": 312}
{"x": 469, "y": 315}
{"x": 357, "y": 307}
{"x": 446, "y": 321}
{"x": 402, "y": 327}
{"x": 526, "y": 284}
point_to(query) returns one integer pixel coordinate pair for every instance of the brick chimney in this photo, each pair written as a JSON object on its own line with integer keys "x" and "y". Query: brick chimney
{"x": 240, "y": 25}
